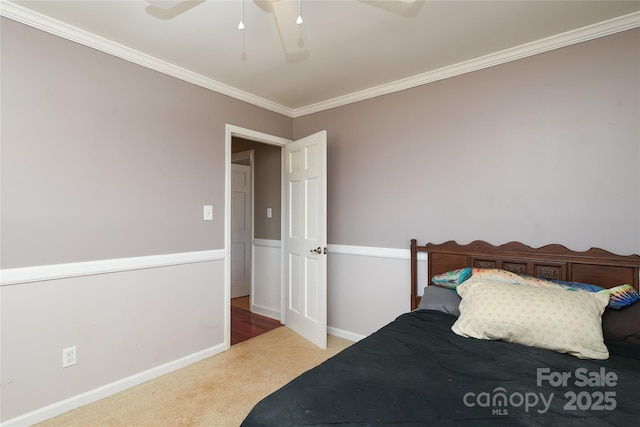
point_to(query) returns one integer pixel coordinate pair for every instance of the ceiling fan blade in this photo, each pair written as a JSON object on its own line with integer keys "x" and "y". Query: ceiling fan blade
{"x": 406, "y": 8}
{"x": 169, "y": 9}
{"x": 285, "y": 14}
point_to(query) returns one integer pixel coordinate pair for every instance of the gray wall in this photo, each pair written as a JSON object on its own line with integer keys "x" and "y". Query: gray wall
{"x": 541, "y": 150}
{"x": 104, "y": 159}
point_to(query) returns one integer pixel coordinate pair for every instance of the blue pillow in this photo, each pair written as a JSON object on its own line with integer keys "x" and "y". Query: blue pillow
{"x": 577, "y": 286}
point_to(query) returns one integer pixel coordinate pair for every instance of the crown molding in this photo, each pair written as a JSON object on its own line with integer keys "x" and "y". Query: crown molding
{"x": 26, "y": 16}
{"x": 601, "y": 29}
{"x": 20, "y": 14}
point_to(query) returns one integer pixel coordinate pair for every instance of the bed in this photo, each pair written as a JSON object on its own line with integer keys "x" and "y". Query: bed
{"x": 418, "y": 371}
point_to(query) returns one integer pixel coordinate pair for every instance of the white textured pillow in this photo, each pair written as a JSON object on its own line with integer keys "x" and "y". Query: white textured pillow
{"x": 555, "y": 319}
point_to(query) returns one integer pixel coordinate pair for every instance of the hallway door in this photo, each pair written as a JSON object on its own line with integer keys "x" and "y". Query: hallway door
{"x": 241, "y": 234}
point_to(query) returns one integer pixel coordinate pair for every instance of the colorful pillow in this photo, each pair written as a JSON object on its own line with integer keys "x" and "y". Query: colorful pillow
{"x": 440, "y": 299}
{"x": 621, "y": 296}
{"x": 566, "y": 322}
{"x": 451, "y": 279}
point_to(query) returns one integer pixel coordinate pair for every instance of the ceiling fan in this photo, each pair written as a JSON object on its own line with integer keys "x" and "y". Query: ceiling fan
{"x": 286, "y": 14}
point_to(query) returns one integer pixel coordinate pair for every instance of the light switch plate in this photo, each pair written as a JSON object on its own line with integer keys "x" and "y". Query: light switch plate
{"x": 208, "y": 213}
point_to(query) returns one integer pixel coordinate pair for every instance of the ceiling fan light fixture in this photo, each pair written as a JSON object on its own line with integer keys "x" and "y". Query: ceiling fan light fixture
{"x": 299, "y": 20}
{"x": 241, "y": 24}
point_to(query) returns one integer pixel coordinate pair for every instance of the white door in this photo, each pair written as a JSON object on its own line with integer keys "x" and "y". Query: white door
{"x": 240, "y": 230}
{"x": 306, "y": 237}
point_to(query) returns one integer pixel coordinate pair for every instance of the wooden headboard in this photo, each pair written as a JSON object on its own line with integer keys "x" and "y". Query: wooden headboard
{"x": 554, "y": 262}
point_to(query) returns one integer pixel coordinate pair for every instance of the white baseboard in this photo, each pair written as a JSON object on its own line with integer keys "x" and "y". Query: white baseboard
{"x": 74, "y": 402}
{"x": 340, "y": 333}
{"x": 267, "y": 243}
{"x": 265, "y": 311}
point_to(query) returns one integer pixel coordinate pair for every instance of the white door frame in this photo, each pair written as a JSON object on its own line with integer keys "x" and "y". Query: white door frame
{"x": 230, "y": 132}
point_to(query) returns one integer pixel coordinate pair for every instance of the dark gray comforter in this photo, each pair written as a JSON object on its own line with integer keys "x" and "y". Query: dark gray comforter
{"x": 416, "y": 372}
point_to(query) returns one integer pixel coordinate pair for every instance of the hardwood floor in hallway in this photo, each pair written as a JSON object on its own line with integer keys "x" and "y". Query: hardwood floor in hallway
{"x": 245, "y": 325}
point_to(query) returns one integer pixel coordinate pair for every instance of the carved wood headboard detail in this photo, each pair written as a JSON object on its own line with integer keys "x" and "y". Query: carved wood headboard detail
{"x": 595, "y": 266}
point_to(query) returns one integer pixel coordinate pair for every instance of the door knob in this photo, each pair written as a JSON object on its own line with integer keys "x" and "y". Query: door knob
{"x": 317, "y": 250}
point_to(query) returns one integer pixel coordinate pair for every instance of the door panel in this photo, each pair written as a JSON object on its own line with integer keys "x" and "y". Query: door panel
{"x": 312, "y": 219}
{"x": 240, "y": 230}
{"x": 311, "y": 308}
{"x": 306, "y": 213}
{"x": 294, "y": 289}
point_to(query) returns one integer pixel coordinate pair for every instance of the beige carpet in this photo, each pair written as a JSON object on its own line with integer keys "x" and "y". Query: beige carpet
{"x": 218, "y": 391}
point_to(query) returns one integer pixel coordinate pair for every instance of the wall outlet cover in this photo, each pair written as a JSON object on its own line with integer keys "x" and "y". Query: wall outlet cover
{"x": 69, "y": 356}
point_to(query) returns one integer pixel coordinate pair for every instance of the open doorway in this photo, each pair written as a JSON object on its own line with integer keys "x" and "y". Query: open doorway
{"x": 255, "y": 216}
{"x": 241, "y": 224}
{"x": 293, "y": 267}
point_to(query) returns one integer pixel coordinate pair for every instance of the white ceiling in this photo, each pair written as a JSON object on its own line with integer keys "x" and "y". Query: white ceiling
{"x": 344, "y": 50}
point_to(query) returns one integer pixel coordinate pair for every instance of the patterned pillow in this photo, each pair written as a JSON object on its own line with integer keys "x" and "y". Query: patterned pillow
{"x": 451, "y": 279}
{"x": 620, "y": 296}
{"x": 497, "y": 275}
{"x": 566, "y": 322}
